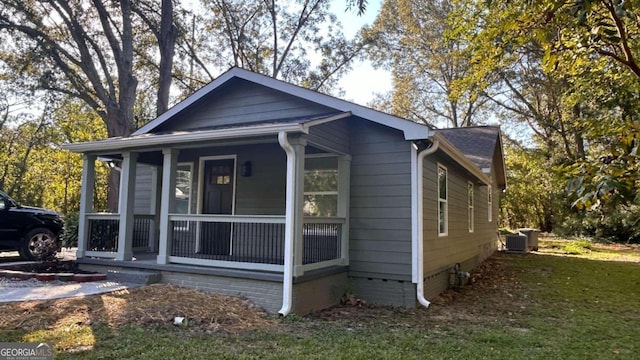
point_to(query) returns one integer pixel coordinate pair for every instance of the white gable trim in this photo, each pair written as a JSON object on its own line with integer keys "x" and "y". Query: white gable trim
{"x": 411, "y": 130}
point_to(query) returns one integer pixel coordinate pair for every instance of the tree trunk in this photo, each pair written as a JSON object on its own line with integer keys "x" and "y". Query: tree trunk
{"x": 166, "y": 44}
{"x": 580, "y": 152}
{"x": 113, "y": 190}
{"x": 119, "y": 123}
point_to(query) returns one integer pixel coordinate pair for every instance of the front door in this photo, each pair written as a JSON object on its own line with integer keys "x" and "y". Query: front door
{"x": 217, "y": 198}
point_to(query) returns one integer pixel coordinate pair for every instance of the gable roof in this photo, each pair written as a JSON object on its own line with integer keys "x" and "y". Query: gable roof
{"x": 410, "y": 129}
{"x": 472, "y": 148}
{"x": 479, "y": 144}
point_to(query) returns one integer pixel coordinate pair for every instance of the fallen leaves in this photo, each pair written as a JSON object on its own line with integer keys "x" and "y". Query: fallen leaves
{"x": 148, "y": 306}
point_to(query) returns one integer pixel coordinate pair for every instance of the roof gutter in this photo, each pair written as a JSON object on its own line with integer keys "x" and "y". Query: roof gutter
{"x": 287, "y": 284}
{"x": 417, "y": 212}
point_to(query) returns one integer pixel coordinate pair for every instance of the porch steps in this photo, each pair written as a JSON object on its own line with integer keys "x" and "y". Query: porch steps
{"x": 134, "y": 276}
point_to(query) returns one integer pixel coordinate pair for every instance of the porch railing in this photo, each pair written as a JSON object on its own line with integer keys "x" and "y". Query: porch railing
{"x": 226, "y": 239}
{"x": 234, "y": 241}
{"x": 259, "y": 239}
{"x": 144, "y": 232}
{"x": 103, "y": 231}
{"x": 322, "y": 239}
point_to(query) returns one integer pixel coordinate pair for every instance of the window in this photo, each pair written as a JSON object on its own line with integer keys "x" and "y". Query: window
{"x": 321, "y": 186}
{"x": 183, "y": 189}
{"x": 470, "y": 205}
{"x": 443, "y": 216}
{"x": 489, "y": 202}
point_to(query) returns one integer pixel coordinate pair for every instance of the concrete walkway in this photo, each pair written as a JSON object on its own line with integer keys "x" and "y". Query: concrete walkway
{"x": 49, "y": 291}
{"x": 16, "y": 294}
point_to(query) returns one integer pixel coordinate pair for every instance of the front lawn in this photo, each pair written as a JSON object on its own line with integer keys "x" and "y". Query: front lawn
{"x": 553, "y": 304}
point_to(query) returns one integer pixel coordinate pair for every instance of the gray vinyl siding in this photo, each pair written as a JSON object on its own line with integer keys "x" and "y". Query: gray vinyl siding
{"x": 144, "y": 191}
{"x": 441, "y": 253}
{"x": 242, "y": 102}
{"x": 333, "y": 136}
{"x": 262, "y": 193}
{"x": 380, "y": 204}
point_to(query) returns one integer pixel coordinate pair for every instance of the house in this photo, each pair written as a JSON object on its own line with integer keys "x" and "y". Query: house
{"x": 292, "y": 198}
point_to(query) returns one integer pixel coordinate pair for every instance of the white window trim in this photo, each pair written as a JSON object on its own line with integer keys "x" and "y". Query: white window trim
{"x": 470, "y": 206}
{"x": 190, "y": 165}
{"x": 489, "y": 202}
{"x": 445, "y": 201}
{"x": 337, "y": 192}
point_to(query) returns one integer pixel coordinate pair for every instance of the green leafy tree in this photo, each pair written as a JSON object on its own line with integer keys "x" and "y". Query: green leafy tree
{"x": 569, "y": 70}
{"x": 89, "y": 50}
{"x": 35, "y": 170}
{"x": 408, "y": 37}
{"x": 532, "y": 197}
{"x": 20, "y": 136}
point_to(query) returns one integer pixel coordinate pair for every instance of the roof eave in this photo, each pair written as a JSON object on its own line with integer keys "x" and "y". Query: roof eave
{"x": 182, "y": 138}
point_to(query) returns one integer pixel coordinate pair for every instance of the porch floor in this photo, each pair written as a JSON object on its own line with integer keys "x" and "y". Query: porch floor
{"x": 148, "y": 261}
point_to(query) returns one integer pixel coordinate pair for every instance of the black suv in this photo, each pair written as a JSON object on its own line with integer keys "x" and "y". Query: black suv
{"x": 29, "y": 230}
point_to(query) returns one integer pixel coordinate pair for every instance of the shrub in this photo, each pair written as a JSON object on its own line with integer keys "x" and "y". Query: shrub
{"x": 70, "y": 237}
{"x": 621, "y": 225}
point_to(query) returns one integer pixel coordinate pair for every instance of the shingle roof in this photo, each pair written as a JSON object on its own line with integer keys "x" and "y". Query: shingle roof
{"x": 477, "y": 143}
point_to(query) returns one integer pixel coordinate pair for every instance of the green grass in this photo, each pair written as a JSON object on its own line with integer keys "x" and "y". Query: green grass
{"x": 534, "y": 306}
{"x": 589, "y": 249}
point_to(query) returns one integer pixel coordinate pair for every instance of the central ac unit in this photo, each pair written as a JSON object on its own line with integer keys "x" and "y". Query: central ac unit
{"x": 516, "y": 243}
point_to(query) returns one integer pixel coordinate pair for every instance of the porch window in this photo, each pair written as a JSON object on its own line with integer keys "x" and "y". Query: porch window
{"x": 321, "y": 186}
{"x": 183, "y": 188}
{"x": 470, "y": 219}
{"x": 443, "y": 208}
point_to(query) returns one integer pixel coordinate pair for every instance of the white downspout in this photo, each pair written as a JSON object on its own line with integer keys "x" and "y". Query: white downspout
{"x": 287, "y": 284}
{"x": 417, "y": 204}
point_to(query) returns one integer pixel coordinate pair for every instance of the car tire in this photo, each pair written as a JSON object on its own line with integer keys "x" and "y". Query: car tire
{"x": 37, "y": 244}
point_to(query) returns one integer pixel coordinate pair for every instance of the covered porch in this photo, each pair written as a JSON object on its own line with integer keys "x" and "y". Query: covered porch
{"x": 262, "y": 200}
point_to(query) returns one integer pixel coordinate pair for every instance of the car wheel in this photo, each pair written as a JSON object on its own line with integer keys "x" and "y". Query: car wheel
{"x": 38, "y": 244}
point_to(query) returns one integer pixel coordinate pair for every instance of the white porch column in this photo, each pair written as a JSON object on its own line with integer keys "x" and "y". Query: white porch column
{"x": 86, "y": 201}
{"x": 126, "y": 205}
{"x": 344, "y": 186}
{"x": 167, "y": 200}
{"x": 298, "y": 145}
